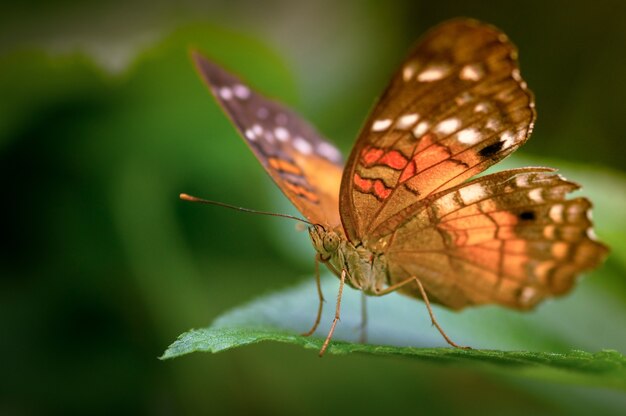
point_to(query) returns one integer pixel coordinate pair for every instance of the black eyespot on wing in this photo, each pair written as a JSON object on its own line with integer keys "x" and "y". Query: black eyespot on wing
{"x": 527, "y": 216}
{"x": 491, "y": 150}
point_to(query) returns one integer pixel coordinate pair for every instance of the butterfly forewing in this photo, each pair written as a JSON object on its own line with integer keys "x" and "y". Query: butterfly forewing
{"x": 306, "y": 167}
{"x": 509, "y": 238}
{"x": 456, "y": 106}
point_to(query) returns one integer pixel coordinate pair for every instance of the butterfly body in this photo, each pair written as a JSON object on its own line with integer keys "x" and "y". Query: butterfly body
{"x": 404, "y": 213}
{"x": 366, "y": 270}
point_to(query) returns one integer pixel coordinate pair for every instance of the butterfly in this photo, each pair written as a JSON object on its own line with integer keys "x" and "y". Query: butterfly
{"x": 404, "y": 214}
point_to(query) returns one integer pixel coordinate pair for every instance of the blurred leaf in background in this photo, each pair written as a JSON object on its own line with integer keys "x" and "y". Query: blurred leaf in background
{"x": 103, "y": 122}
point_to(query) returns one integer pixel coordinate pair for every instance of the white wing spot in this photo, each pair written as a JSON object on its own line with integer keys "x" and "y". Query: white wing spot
{"x": 481, "y": 108}
{"x": 521, "y": 181}
{"x": 589, "y": 215}
{"x": 516, "y": 75}
{"x": 408, "y": 71}
{"x": 448, "y": 126}
{"x": 250, "y": 135}
{"x": 493, "y": 124}
{"x": 407, "y": 121}
{"x": 468, "y": 136}
{"x": 446, "y": 204}
{"x": 574, "y": 210}
{"x": 433, "y": 73}
{"x": 420, "y": 129}
{"x": 591, "y": 234}
{"x": 329, "y": 151}
{"x": 241, "y": 91}
{"x": 507, "y": 139}
{"x": 472, "y": 193}
{"x": 226, "y": 93}
{"x": 556, "y": 213}
{"x": 535, "y": 195}
{"x": 574, "y": 213}
{"x": 472, "y": 72}
{"x": 302, "y": 146}
{"x": 380, "y": 125}
{"x": 528, "y": 295}
{"x": 257, "y": 130}
{"x": 281, "y": 134}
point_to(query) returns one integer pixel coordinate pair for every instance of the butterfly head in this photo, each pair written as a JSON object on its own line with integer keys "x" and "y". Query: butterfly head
{"x": 326, "y": 242}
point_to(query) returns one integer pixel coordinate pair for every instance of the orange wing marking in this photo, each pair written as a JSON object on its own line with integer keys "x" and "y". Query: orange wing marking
{"x": 375, "y": 187}
{"x": 302, "y": 192}
{"x": 393, "y": 159}
{"x": 283, "y": 165}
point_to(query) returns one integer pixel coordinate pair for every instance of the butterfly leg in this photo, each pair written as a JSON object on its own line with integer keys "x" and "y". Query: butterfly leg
{"x": 363, "y": 335}
{"x": 434, "y": 321}
{"x": 321, "y": 298}
{"x": 342, "y": 281}
{"x": 417, "y": 281}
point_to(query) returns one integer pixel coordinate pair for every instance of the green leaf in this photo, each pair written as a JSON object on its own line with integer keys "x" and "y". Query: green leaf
{"x": 606, "y": 368}
{"x": 282, "y": 316}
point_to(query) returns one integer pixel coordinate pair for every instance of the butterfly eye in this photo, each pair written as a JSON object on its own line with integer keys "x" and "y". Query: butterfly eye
{"x": 331, "y": 242}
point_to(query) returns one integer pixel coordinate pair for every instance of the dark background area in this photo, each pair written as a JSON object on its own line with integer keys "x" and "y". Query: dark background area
{"x": 103, "y": 122}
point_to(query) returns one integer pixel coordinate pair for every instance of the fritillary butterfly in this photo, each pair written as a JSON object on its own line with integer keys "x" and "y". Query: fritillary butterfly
{"x": 401, "y": 215}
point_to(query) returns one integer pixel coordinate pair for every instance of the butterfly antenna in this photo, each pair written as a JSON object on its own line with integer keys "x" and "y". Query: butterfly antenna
{"x": 186, "y": 197}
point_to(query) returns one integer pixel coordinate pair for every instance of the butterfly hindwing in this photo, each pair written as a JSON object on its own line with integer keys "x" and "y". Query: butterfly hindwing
{"x": 509, "y": 238}
{"x": 305, "y": 166}
{"x": 456, "y": 106}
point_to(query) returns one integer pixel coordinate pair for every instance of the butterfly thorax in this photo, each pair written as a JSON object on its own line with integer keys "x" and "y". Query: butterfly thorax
{"x": 366, "y": 269}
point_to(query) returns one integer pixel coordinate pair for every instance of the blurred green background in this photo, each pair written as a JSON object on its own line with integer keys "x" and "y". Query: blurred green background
{"x": 103, "y": 122}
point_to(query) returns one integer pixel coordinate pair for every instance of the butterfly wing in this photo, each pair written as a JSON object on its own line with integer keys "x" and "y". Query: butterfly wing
{"x": 509, "y": 238}
{"x": 456, "y": 106}
{"x": 306, "y": 167}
